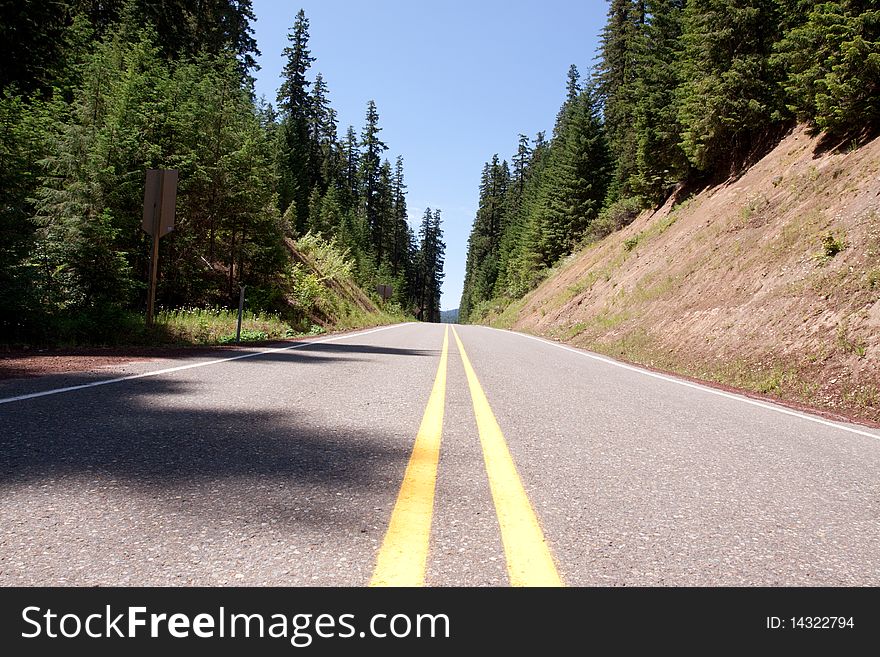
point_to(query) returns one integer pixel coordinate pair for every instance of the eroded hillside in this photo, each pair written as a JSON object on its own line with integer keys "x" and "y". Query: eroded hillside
{"x": 769, "y": 282}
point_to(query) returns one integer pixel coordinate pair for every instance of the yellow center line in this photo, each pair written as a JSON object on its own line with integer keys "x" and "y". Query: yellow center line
{"x": 529, "y": 562}
{"x": 403, "y": 556}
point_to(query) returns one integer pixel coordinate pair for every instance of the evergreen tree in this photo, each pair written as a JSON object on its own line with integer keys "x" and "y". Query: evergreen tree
{"x": 82, "y": 215}
{"x": 617, "y": 74}
{"x": 29, "y": 130}
{"x": 133, "y": 113}
{"x": 520, "y": 164}
{"x": 832, "y": 61}
{"x": 513, "y": 219}
{"x": 351, "y": 167}
{"x": 576, "y": 180}
{"x": 295, "y": 165}
{"x": 729, "y": 96}
{"x": 191, "y": 27}
{"x": 384, "y": 208}
{"x": 329, "y": 220}
{"x": 683, "y": 89}
{"x": 660, "y": 160}
{"x": 370, "y": 172}
{"x": 483, "y": 245}
{"x": 401, "y": 233}
{"x": 322, "y": 135}
{"x": 33, "y": 44}
{"x": 431, "y": 261}
{"x": 520, "y": 270}
{"x": 113, "y": 88}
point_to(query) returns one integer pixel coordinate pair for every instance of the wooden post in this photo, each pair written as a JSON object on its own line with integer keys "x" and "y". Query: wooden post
{"x": 240, "y": 313}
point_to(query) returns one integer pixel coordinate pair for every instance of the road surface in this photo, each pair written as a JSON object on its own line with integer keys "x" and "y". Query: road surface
{"x": 418, "y": 454}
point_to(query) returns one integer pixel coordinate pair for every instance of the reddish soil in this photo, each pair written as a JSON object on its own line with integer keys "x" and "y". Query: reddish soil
{"x": 15, "y": 365}
{"x": 768, "y": 283}
{"x": 22, "y": 363}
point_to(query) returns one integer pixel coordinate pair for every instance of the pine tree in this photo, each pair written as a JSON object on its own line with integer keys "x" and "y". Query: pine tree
{"x": 401, "y": 234}
{"x": 729, "y": 96}
{"x": 32, "y": 44}
{"x": 351, "y": 167}
{"x": 685, "y": 89}
{"x": 520, "y": 164}
{"x": 187, "y": 28}
{"x": 483, "y": 245}
{"x": 514, "y": 220}
{"x": 431, "y": 261}
{"x": 322, "y": 135}
{"x": 109, "y": 89}
{"x": 660, "y": 160}
{"x": 330, "y": 216}
{"x": 384, "y": 207}
{"x": 134, "y": 112}
{"x": 293, "y": 93}
{"x": 572, "y": 87}
{"x": 513, "y": 213}
{"x": 617, "y": 75}
{"x": 832, "y": 61}
{"x": 576, "y": 180}
{"x": 522, "y": 238}
{"x": 370, "y": 169}
{"x": 29, "y": 131}
{"x": 295, "y": 164}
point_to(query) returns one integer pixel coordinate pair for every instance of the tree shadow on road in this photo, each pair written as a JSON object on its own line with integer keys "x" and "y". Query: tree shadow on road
{"x": 28, "y": 364}
{"x": 208, "y": 460}
{"x": 337, "y": 347}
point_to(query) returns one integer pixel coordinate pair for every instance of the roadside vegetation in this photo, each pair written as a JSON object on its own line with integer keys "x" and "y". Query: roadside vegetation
{"x": 275, "y": 197}
{"x": 318, "y": 293}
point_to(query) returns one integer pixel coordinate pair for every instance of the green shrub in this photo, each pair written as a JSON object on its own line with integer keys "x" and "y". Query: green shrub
{"x": 331, "y": 260}
{"x": 307, "y": 288}
{"x": 97, "y": 325}
{"x": 831, "y": 245}
{"x": 617, "y": 215}
{"x": 246, "y": 336}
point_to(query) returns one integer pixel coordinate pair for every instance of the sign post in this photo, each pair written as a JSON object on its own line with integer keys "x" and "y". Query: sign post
{"x": 240, "y": 312}
{"x": 160, "y": 198}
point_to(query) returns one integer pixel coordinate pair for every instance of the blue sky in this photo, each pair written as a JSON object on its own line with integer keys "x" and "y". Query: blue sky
{"x": 454, "y": 82}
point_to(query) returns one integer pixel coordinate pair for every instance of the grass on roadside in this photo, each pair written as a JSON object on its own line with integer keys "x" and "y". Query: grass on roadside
{"x": 206, "y": 326}
{"x": 357, "y": 319}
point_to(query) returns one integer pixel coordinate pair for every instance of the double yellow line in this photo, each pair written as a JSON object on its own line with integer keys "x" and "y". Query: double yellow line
{"x": 403, "y": 557}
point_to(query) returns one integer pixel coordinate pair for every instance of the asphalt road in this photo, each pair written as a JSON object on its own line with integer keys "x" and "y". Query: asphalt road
{"x": 540, "y": 465}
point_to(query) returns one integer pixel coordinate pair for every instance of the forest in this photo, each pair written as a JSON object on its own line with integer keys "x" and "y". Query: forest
{"x": 93, "y": 93}
{"x": 685, "y": 93}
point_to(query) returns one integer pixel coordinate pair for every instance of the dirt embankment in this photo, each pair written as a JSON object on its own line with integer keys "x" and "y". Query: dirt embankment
{"x": 769, "y": 283}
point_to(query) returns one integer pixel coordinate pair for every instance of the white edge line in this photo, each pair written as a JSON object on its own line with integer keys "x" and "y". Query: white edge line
{"x": 695, "y": 386}
{"x": 93, "y": 384}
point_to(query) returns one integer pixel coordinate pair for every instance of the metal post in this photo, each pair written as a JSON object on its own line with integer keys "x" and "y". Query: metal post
{"x": 154, "y": 264}
{"x": 240, "y": 311}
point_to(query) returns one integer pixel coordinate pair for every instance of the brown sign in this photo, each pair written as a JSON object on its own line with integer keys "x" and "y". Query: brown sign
{"x": 160, "y": 198}
{"x": 384, "y": 291}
